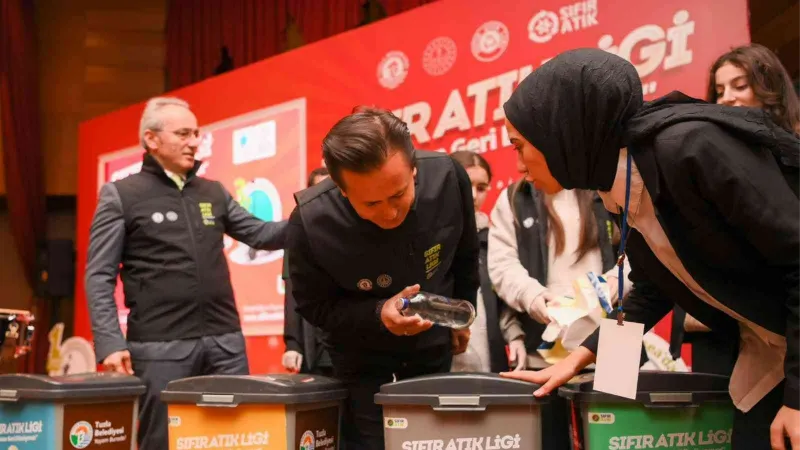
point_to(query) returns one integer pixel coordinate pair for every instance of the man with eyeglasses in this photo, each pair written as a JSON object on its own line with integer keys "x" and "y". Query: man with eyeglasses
{"x": 164, "y": 226}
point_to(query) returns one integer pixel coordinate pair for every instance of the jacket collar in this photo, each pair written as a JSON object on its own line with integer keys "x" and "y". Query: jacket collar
{"x": 150, "y": 165}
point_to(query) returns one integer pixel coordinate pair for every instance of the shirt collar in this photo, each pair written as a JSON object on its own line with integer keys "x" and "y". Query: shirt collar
{"x": 614, "y": 200}
{"x": 172, "y": 175}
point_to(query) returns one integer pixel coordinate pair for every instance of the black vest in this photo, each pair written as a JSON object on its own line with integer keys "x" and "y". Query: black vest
{"x": 174, "y": 271}
{"x": 352, "y": 250}
{"x": 532, "y": 247}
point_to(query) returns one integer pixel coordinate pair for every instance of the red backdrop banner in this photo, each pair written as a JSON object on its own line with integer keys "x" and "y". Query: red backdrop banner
{"x": 445, "y": 68}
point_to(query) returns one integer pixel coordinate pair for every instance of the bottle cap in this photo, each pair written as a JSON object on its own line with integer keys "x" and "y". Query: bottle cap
{"x": 404, "y": 303}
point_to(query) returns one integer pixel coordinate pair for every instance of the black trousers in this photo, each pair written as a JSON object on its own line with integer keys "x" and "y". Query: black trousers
{"x": 751, "y": 429}
{"x": 363, "y": 374}
{"x": 158, "y": 363}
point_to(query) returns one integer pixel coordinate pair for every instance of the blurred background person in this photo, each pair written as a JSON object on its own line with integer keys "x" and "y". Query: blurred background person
{"x": 539, "y": 244}
{"x": 486, "y": 351}
{"x": 305, "y": 350}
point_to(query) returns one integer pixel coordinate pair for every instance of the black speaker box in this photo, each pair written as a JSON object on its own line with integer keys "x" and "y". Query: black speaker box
{"x": 56, "y": 269}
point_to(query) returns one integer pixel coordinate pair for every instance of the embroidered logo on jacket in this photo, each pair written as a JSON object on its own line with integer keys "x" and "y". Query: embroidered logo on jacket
{"x": 207, "y": 214}
{"x": 432, "y": 260}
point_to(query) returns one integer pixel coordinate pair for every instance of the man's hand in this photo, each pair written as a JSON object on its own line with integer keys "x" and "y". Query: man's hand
{"x": 518, "y": 354}
{"x": 398, "y": 324}
{"x": 555, "y": 375}
{"x": 292, "y": 361}
{"x": 119, "y": 362}
{"x": 538, "y": 308}
{"x": 785, "y": 425}
{"x": 460, "y": 340}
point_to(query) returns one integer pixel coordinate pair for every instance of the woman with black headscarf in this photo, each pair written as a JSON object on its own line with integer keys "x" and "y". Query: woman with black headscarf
{"x": 713, "y": 213}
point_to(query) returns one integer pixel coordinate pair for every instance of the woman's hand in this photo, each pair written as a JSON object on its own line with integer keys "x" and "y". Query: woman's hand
{"x": 785, "y": 425}
{"x": 538, "y": 308}
{"x": 518, "y": 355}
{"x": 555, "y": 375}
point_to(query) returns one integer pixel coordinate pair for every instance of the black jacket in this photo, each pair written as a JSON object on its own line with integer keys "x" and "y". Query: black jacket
{"x": 170, "y": 245}
{"x": 735, "y": 228}
{"x": 299, "y": 335}
{"x": 343, "y": 268}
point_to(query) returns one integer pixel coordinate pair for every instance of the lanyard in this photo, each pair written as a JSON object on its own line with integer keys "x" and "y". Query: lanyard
{"x": 623, "y": 241}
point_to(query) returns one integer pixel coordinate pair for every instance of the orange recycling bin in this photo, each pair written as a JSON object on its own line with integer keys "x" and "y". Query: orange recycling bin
{"x": 258, "y": 412}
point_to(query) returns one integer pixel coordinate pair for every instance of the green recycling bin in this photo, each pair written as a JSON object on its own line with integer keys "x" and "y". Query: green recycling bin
{"x": 461, "y": 411}
{"x": 672, "y": 410}
{"x": 280, "y": 411}
{"x": 83, "y": 411}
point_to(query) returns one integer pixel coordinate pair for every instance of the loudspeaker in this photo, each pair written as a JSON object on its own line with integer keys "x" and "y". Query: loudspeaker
{"x": 56, "y": 269}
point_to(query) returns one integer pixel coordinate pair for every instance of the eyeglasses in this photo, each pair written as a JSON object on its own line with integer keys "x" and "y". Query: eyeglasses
{"x": 184, "y": 133}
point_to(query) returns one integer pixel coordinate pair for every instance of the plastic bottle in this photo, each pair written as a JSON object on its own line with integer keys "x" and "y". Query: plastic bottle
{"x": 447, "y": 312}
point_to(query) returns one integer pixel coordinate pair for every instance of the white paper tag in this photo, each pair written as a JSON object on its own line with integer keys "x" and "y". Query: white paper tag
{"x": 618, "y": 358}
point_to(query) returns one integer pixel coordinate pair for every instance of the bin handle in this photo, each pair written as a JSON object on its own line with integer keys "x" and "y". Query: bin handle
{"x": 671, "y": 405}
{"x": 218, "y": 401}
{"x": 459, "y": 408}
{"x": 459, "y": 403}
{"x": 9, "y": 395}
{"x": 216, "y": 405}
{"x": 666, "y": 400}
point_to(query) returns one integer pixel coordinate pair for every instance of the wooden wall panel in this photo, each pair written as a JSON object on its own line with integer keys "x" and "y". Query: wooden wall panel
{"x": 94, "y": 57}
{"x": 2, "y": 171}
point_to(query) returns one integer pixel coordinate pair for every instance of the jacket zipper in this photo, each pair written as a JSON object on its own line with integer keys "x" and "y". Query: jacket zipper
{"x": 189, "y": 222}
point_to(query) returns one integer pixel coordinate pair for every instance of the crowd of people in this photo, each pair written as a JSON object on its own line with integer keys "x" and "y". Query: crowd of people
{"x": 700, "y": 197}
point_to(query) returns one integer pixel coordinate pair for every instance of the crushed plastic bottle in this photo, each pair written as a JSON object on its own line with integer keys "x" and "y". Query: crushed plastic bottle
{"x": 443, "y": 311}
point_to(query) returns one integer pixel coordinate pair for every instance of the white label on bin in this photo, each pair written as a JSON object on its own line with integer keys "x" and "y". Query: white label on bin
{"x": 395, "y": 423}
{"x": 174, "y": 421}
{"x": 601, "y": 418}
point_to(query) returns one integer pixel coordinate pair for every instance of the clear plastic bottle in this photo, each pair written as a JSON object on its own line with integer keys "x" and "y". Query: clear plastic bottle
{"x": 447, "y": 312}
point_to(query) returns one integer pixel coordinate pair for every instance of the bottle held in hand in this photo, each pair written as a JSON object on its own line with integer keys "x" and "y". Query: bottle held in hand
{"x": 443, "y": 311}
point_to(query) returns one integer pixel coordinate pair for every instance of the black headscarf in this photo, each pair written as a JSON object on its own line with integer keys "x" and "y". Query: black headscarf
{"x": 582, "y": 106}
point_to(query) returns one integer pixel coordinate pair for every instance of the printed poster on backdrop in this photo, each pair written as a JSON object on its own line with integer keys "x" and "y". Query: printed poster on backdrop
{"x": 448, "y": 80}
{"x": 260, "y": 159}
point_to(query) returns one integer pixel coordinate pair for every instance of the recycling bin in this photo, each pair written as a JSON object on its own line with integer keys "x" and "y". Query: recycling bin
{"x": 672, "y": 410}
{"x": 461, "y": 411}
{"x": 280, "y": 411}
{"x": 81, "y": 411}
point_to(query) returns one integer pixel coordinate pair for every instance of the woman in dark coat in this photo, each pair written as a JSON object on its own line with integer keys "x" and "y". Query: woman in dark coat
{"x": 714, "y": 221}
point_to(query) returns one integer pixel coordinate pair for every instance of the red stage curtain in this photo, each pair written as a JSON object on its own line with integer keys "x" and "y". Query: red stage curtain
{"x": 253, "y": 30}
{"x": 22, "y": 155}
{"x": 397, "y": 6}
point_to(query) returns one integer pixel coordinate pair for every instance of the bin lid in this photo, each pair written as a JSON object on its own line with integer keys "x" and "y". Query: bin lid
{"x": 265, "y": 389}
{"x": 659, "y": 388}
{"x": 458, "y": 391}
{"x": 15, "y": 387}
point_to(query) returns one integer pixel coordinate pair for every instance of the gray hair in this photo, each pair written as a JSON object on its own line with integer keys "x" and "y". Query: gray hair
{"x": 151, "y": 120}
